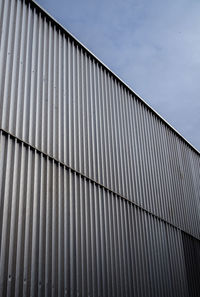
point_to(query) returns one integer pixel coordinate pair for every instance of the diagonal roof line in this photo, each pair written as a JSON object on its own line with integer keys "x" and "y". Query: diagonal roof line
{"x": 62, "y": 28}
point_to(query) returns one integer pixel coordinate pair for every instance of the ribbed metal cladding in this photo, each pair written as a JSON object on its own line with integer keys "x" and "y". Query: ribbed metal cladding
{"x": 191, "y": 248}
{"x": 99, "y": 196}
{"x": 60, "y": 99}
{"x": 63, "y": 235}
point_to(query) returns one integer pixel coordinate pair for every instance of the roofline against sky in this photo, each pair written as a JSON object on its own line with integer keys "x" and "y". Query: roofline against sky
{"x": 61, "y": 27}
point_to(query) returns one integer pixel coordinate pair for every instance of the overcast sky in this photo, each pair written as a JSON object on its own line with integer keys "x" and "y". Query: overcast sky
{"x": 153, "y": 45}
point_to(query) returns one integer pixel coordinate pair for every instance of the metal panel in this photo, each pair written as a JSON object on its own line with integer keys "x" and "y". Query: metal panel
{"x": 59, "y": 98}
{"x": 99, "y": 196}
{"x": 192, "y": 261}
{"x": 64, "y": 235}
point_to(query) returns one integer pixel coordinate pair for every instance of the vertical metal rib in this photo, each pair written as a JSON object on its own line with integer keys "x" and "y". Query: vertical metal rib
{"x": 64, "y": 234}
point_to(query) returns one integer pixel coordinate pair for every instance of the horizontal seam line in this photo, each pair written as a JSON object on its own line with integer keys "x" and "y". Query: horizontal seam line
{"x": 97, "y": 183}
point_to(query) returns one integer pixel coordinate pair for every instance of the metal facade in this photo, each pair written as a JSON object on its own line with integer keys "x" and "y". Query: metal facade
{"x": 99, "y": 196}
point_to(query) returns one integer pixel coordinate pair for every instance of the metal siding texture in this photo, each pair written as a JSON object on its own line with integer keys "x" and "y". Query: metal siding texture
{"x": 99, "y": 196}
{"x": 191, "y": 248}
{"x": 60, "y": 99}
{"x": 65, "y": 235}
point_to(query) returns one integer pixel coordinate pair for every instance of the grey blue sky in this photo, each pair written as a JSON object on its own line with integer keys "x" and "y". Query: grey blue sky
{"x": 153, "y": 45}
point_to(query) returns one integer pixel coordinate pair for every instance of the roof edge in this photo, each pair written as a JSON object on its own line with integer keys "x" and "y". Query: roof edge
{"x": 61, "y": 27}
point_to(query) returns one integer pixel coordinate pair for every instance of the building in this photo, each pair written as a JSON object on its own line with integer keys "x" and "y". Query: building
{"x": 99, "y": 196}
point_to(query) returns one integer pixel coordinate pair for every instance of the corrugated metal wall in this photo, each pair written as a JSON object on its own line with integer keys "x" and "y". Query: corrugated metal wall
{"x": 98, "y": 195}
{"x": 60, "y": 231}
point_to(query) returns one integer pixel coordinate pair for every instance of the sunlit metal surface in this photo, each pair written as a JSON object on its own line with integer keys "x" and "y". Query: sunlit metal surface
{"x": 99, "y": 196}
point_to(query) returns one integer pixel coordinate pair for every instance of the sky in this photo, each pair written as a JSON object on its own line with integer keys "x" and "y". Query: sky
{"x": 152, "y": 45}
